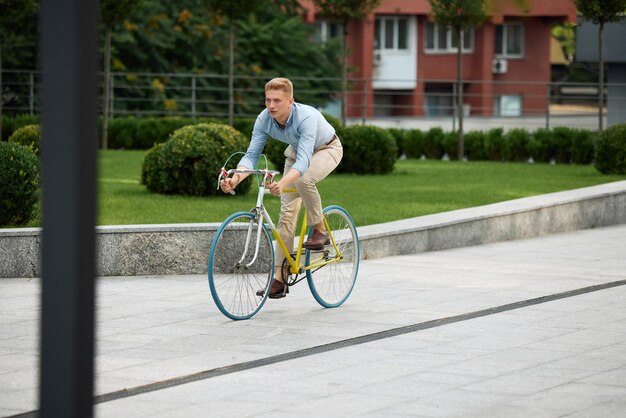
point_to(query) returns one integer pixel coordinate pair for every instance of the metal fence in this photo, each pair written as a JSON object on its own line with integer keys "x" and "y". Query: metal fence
{"x": 206, "y": 95}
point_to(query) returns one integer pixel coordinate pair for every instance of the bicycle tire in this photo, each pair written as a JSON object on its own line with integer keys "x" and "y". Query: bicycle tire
{"x": 233, "y": 284}
{"x": 332, "y": 284}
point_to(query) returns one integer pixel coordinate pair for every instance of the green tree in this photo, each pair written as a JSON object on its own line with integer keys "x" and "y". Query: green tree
{"x": 287, "y": 41}
{"x": 233, "y": 10}
{"x": 601, "y": 12}
{"x": 175, "y": 37}
{"x": 459, "y": 15}
{"x": 342, "y": 12}
{"x": 238, "y": 10}
{"x": 112, "y": 12}
{"x": 9, "y": 9}
{"x": 564, "y": 33}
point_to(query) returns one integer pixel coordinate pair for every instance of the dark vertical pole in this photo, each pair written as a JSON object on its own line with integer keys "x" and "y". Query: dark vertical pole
{"x": 69, "y": 86}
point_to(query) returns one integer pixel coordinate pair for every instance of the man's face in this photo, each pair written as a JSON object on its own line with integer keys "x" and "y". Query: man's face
{"x": 278, "y": 103}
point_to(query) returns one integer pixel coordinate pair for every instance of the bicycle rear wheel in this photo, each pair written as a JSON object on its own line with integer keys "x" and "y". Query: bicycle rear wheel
{"x": 332, "y": 283}
{"x": 236, "y": 270}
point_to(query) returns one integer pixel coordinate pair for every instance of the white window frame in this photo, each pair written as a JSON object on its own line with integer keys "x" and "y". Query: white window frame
{"x": 506, "y": 32}
{"x": 381, "y": 23}
{"x": 436, "y": 49}
{"x": 508, "y": 105}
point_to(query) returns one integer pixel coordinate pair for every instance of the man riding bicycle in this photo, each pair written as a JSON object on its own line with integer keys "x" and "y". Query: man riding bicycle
{"x": 314, "y": 151}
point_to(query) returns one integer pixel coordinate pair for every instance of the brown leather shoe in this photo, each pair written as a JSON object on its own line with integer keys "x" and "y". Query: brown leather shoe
{"x": 277, "y": 291}
{"x": 317, "y": 240}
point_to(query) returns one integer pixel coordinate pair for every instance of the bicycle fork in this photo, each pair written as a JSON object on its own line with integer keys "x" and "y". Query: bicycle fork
{"x": 248, "y": 239}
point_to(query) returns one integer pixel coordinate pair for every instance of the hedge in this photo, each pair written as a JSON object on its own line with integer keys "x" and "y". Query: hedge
{"x": 367, "y": 150}
{"x": 560, "y": 144}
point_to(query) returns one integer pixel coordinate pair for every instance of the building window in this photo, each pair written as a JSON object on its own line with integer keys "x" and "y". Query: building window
{"x": 391, "y": 33}
{"x": 507, "y": 105}
{"x": 438, "y": 105}
{"x": 510, "y": 40}
{"x": 325, "y": 31}
{"x": 442, "y": 39}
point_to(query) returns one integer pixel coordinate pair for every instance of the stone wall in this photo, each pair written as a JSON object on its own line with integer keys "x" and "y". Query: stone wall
{"x": 183, "y": 248}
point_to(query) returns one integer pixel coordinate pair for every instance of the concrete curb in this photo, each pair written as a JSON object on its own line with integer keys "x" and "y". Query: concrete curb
{"x": 584, "y": 208}
{"x": 183, "y": 248}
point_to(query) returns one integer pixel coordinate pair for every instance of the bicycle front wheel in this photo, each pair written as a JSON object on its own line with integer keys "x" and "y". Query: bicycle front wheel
{"x": 331, "y": 273}
{"x": 241, "y": 262}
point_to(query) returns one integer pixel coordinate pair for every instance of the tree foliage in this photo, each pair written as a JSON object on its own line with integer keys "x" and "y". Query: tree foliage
{"x": 459, "y": 15}
{"x": 18, "y": 33}
{"x": 342, "y": 12}
{"x": 181, "y": 37}
{"x": 13, "y": 15}
{"x": 495, "y": 6}
{"x": 112, "y": 12}
{"x": 602, "y": 11}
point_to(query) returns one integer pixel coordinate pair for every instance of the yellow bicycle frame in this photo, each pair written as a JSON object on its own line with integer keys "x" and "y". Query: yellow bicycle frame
{"x": 294, "y": 264}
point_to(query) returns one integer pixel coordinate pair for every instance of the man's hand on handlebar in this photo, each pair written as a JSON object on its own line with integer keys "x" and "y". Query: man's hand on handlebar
{"x": 228, "y": 185}
{"x": 276, "y": 188}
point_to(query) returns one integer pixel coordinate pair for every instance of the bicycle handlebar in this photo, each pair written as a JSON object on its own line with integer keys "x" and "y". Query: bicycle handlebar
{"x": 267, "y": 175}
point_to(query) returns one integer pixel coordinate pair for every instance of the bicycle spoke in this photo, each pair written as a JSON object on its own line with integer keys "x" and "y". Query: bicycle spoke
{"x": 332, "y": 283}
{"x": 235, "y": 274}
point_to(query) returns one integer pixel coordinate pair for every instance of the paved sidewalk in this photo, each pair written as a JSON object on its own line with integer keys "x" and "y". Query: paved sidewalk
{"x": 561, "y": 356}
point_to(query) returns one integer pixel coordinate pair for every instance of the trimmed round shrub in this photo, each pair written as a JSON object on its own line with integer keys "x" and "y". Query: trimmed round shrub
{"x": 494, "y": 144}
{"x": 29, "y": 136}
{"x": 367, "y": 150}
{"x": 335, "y": 122}
{"x": 189, "y": 162}
{"x": 540, "y": 146}
{"x": 19, "y": 184}
{"x": 475, "y": 146}
{"x": 516, "y": 145}
{"x": 583, "y": 146}
{"x": 610, "y": 155}
{"x": 433, "y": 143}
{"x": 400, "y": 136}
{"x": 11, "y": 123}
{"x": 562, "y": 138}
{"x": 414, "y": 146}
{"x": 450, "y": 145}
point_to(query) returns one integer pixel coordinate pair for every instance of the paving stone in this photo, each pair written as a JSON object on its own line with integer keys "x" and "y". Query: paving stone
{"x": 566, "y": 357}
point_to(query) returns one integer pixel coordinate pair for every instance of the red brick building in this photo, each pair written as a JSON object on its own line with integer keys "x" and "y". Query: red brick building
{"x": 406, "y": 64}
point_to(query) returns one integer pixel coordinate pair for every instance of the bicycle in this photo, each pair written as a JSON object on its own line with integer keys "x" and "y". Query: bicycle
{"x": 241, "y": 259}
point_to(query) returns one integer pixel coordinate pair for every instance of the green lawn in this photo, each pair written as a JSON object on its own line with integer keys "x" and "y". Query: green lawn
{"x": 414, "y": 188}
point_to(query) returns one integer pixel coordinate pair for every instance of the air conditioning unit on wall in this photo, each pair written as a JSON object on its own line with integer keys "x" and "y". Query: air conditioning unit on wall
{"x": 499, "y": 66}
{"x": 377, "y": 58}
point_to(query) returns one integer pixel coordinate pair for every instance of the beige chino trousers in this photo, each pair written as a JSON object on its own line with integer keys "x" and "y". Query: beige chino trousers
{"x": 323, "y": 162}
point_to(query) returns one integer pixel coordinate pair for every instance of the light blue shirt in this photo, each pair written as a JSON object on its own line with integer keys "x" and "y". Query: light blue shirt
{"x": 306, "y": 131}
